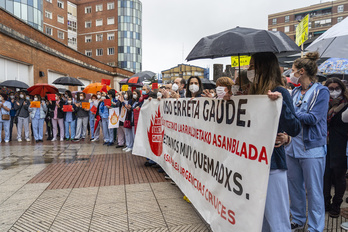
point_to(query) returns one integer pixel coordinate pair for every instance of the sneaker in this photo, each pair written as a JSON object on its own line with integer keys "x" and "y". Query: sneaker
{"x": 76, "y": 140}
{"x": 105, "y": 143}
{"x": 173, "y": 183}
{"x": 119, "y": 146}
{"x": 19, "y": 140}
{"x": 6, "y": 141}
{"x": 296, "y": 227}
{"x": 95, "y": 140}
{"x": 167, "y": 177}
{"x": 28, "y": 140}
{"x": 344, "y": 225}
{"x": 54, "y": 139}
{"x": 129, "y": 150}
{"x": 67, "y": 139}
{"x": 61, "y": 139}
{"x": 148, "y": 164}
{"x": 110, "y": 144}
{"x": 124, "y": 148}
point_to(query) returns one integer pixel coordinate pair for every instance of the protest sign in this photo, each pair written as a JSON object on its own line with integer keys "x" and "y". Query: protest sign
{"x": 244, "y": 60}
{"x": 94, "y": 109}
{"x": 123, "y": 114}
{"x": 51, "y": 97}
{"x": 35, "y": 104}
{"x": 105, "y": 82}
{"x": 107, "y": 102}
{"x": 302, "y": 31}
{"x": 85, "y": 105}
{"x": 114, "y": 118}
{"x": 124, "y": 88}
{"x": 67, "y": 108}
{"x": 218, "y": 152}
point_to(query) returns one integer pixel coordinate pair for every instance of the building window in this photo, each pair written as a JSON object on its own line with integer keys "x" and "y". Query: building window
{"x": 60, "y": 19}
{"x": 111, "y": 20}
{"x": 60, "y": 4}
{"x": 49, "y": 31}
{"x": 99, "y": 7}
{"x": 274, "y": 29}
{"x": 99, "y": 37}
{"x": 111, "y": 51}
{"x": 50, "y": 1}
{"x": 111, "y": 63}
{"x": 72, "y": 25}
{"x": 111, "y": 6}
{"x": 88, "y": 38}
{"x": 340, "y": 8}
{"x": 287, "y": 19}
{"x": 88, "y": 9}
{"x": 99, "y": 22}
{"x": 111, "y": 36}
{"x": 99, "y": 52}
{"x": 88, "y": 52}
{"x": 274, "y": 21}
{"x": 60, "y": 35}
{"x": 48, "y": 14}
{"x": 88, "y": 24}
{"x": 286, "y": 29}
{"x": 339, "y": 19}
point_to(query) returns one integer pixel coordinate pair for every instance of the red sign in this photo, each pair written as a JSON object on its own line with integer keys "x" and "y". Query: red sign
{"x": 154, "y": 85}
{"x": 51, "y": 97}
{"x": 67, "y": 108}
{"x": 94, "y": 109}
{"x": 107, "y": 102}
{"x": 105, "y": 82}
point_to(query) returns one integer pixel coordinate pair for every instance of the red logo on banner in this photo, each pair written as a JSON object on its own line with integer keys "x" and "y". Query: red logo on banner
{"x": 155, "y": 134}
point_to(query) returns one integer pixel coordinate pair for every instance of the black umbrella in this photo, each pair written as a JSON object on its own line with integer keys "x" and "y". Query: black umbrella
{"x": 208, "y": 84}
{"x": 14, "y": 84}
{"x": 68, "y": 81}
{"x": 61, "y": 90}
{"x": 138, "y": 78}
{"x": 242, "y": 41}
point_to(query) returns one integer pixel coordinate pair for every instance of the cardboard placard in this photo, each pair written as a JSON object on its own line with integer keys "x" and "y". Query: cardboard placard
{"x": 105, "y": 82}
{"x": 154, "y": 85}
{"x": 85, "y": 105}
{"x": 124, "y": 88}
{"x": 35, "y": 104}
{"x": 94, "y": 109}
{"x": 67, "y": 108}
{"x": 51, "y": 97}
{"x": 107, "y": 102}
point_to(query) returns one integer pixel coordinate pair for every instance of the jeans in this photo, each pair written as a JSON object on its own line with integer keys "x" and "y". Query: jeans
{"x": 37, "y": 125}
{"x": 120, "y": 135}
{"x": 81, "y": 128}
{"x": 11, "y": 126}
{"x": 107, "y": 133}
{"x": 129, "y": 137}
{"x": 23, "y": 122}
{"x": 91, "y": 126}
{"x": 72, "y": 127}
{"x": 6, "y": 124}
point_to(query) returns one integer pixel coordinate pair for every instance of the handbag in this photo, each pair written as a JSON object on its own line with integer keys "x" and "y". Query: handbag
{"x": 127, "y": 124}
{"x": 5, "y": 117}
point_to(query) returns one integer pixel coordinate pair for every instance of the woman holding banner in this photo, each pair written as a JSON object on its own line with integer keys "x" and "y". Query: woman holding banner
{"x": 37, "y": 118}
{"x": 306, "y": 152}
{"x": 266, "y": 79}
{"x": 194, "y": 87}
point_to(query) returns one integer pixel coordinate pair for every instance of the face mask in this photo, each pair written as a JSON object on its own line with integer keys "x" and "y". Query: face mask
{"x": 81, "y": 98}
{"x": 12, "y": 97}
{"x": 75, "y": 96}
{"x": 0, "y": 98}
{"x": 175, "y": 87}
{"x": 251, "y": 75}
{"x": 125, "y": 96}
{"x": 98, "y": 96}
{"x": 159, "y": 95}
{"x": 21, "y": 96}
{"x": 116, "y": 97}
{"x": 35, "y": 99}
{"x": 103, "y": 98}
{"x": 335, "y": 94}
{"x": 69, "y": 101}
{"x": 194, "y": 88}
{"x": 294, "y": 79}
{"x": 65, "y": 95}
{"x": 135, "y": 96}
{"x": 220, "y": 91}
{"x": 143, "y": 92}
{"x": 235, "y": 89}
{"x": 28, "y": 98}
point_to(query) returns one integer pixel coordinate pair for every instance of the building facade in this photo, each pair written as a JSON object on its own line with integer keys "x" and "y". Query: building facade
{"x": 107, "y": 30}
{"x": 185, "y": 71}
{"x": 321, "y": 17}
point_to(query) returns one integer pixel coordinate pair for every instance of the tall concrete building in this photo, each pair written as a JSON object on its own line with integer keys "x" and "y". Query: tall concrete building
{"x": 107, "y": 30}
{"x": 321, "y": 17}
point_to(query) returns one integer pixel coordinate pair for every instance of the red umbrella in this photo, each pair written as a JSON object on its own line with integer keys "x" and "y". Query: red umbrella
{"x": 42, "y": 89}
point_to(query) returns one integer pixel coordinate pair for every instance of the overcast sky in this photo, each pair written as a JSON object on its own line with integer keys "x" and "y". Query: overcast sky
{"x": 171, "y": 28}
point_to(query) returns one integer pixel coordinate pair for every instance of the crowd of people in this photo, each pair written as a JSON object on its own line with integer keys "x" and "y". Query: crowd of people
{"x": 310, "y": 154}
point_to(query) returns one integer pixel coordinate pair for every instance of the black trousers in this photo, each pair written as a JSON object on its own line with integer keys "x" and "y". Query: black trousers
{"x": 11, "y": 126}
{"x": 337, "y": 178}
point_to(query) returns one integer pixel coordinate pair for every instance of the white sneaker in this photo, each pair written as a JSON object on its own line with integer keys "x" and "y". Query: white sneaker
{"x": 19, "y": 140}
{"x": 6, "y": 141}
{"x": 61, "y": 139}
{"x": 95, "y": 140}
{"x": 28, "y": 140}
{"x": 124, "y": 148}
{"x": 54, "y": 140}
{"x": 128, "y": 150}
{"x": 344, "y": 225}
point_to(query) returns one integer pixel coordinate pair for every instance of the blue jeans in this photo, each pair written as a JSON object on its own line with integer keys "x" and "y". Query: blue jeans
{"x": 72, "y": 127}
{"x": 129, "y": 137}
{"x": 6, "y": 124}
{"x": 38, "y": 124}
{"x": 107, "y": 133}
{"x": 91, "y": 126}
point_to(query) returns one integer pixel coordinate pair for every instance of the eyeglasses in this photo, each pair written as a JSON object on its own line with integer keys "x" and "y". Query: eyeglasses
{"x": 333, "y": 89}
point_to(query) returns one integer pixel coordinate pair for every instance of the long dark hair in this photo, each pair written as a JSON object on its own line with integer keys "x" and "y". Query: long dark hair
{"x": 267, "y": 73}
{"x": 138, "y": 95}
{"x": 340, "y": 83}
{"x": 200, "y": 91}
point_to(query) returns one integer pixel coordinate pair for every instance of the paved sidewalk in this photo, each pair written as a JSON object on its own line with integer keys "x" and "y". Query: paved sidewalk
{"x": 65, "y": 186}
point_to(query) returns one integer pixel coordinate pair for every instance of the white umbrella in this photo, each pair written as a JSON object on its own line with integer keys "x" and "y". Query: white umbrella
{"x": 333, "y": 43}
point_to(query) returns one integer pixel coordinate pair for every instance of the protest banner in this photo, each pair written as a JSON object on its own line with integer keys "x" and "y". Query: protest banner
{"x": 35, "y": 104}
{"x": 218, "y": 152}
{"x": 114, "y": 117}
{"x": 123, "y": 114}
{"x": 67, "y": 108}
{"x": 51, "y": 97}
{"x": 244, "y": 60}
{"x": 85, "y": 105}
{"x": 302, "y": 31}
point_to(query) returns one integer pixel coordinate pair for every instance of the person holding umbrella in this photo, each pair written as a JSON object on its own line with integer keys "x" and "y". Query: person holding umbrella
{"x": 37, "y": 118}
{"x": 22, "y": 112}
{"x": 5, "y": 107}
{"x": 306, "y": 152}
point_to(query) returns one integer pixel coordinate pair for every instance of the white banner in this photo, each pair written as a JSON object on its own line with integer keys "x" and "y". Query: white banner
{"x": 114, "y": 117}
{"x": 123, "y": 114}
{"x": 218, "y": 153}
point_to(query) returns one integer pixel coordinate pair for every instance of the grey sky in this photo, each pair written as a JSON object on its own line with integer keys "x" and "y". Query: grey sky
{"x": 171, "y": 28}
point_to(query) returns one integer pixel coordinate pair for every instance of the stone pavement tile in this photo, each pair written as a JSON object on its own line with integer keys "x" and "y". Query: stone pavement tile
{"x": 138, "y": 187}
{"x": 112, "y": 189}
{"x": 168, "y": 194}
{"x": 103, "y": 198}
{"x": 9, "y": 217}
{"x": 75, "y": 212}
{"x": 5, "y": 226}
{"x": 140, "y": 196}
{"x": 160, "y": 229}
{"x": 109, "y": 223}
{"x": 145, "y": 221}
{"x": 174, "y": 205}
{"x": 15, "y": 204}
{"x": 55, "y": 193}
{"x": 10, "y": 188}
{"x": 190, "y": 227}
{"x": 143, "y": 207}
{"x": 48, "y": 202}
{"x": 182, "y": 217}
{"x": 27, "y": 223}
{"x": 65, "y": 225}
{"x": 163, "y": 186}
{"x": 109, "y": 209}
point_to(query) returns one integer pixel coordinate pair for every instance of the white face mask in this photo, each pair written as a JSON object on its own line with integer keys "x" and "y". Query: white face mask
{"x": 69, "y": 102}
{"x": 0, "y": 98}
{"x": 220, "y": 91}
{"x": 116, "y": 97}
{"x": 103, "y": 98}
{"x": 81, "y": 98}
{"x": 12, "y": 97}
{"x": 21, "y": 96}
{"x": 251, "y": 75}
{"x": 135, "y": 96}
{"x": 159, "y": 95}
{"x": 175, "y": 87}
{"x": 125, "y": 96}
{"x": 35, "y": 99}
{"x": 98, "y": 96}
{"x": 294, "y": 79}
{"x": 335, "y": 94}
{"x": 194, "y": 88}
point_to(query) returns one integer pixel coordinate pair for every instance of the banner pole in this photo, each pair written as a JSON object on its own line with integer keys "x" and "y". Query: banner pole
{"x": 302, "y": 50}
